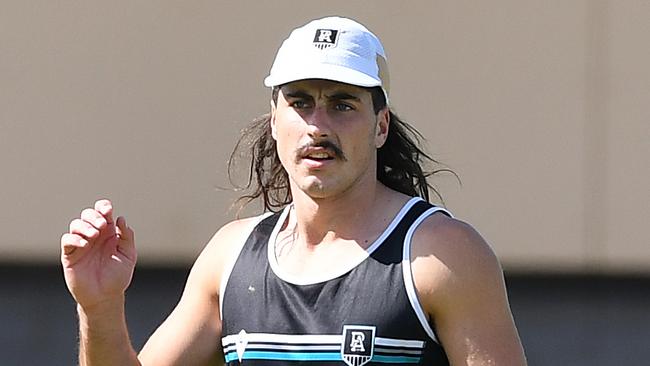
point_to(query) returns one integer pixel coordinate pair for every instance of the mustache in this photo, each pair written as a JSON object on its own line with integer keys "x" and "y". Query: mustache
{"x": 328, "y": 145}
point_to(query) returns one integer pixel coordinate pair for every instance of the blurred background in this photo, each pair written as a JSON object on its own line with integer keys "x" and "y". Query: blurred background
{"x": 541, "y": 107}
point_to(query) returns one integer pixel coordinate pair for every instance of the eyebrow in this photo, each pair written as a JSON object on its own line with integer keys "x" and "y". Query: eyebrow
{"x": 336, "y": 96}
{"x": 343, "y": 96}
{"x": 299, "y": 94}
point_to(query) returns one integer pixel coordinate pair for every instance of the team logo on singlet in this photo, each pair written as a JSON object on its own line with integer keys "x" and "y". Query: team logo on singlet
{"x": 325, "y": 38}
{"x": 358, "y": 344}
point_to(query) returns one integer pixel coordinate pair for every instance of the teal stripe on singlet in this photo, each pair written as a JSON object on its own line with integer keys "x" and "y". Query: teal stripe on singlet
{"x": 286, "y": 356}
{"x": 395, "y": 359}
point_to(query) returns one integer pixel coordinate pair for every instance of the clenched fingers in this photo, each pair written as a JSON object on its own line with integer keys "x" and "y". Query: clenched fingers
{"x": 72, "y": 242}
{"x": 94, "y": 218}
{"x": 84, "y": 229}
{"x": 105, "y": 208}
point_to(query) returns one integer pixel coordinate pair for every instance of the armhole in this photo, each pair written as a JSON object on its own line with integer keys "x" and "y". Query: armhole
{"x": 230, "y": 263}
{"x": 408, "y": 274}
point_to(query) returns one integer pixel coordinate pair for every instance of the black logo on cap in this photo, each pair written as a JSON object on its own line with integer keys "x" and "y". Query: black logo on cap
{"x": 325, "y": 38}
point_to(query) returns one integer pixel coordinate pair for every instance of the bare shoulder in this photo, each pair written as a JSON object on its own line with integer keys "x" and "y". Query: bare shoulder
{"x": 222, "y": 248}
{"x": 451, "y": 258}
{"x": 225, "y": 239}
{"x": 453, "y": 241}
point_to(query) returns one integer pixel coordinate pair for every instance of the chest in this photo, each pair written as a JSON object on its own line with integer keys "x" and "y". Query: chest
{"x": 317, "y": 264}
{"x": 367, "y": 314}
{"x": 364, "y": 314}
{"x": 371, "y": 294}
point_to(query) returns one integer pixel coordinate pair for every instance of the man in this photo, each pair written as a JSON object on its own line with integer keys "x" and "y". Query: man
{"x": 354, "y": 269}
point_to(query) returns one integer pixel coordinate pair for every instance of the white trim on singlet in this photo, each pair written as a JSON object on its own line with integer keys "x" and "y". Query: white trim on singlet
{"x": 230, "y": 263}
{"x": 299, "y": 280}
{"x": 408, "y": 274}
{"x": 314, "y": 341}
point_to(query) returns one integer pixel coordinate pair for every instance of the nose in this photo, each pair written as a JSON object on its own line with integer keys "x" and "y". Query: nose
{"x": 318, "y": 123}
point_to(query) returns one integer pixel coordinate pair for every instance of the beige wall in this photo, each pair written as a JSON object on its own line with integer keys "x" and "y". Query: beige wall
{"x": 540, "y": 106}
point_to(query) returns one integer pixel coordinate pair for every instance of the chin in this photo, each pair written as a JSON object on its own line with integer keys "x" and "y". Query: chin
{"x": 319, "y": 187}
{"x": 316, "y": 189}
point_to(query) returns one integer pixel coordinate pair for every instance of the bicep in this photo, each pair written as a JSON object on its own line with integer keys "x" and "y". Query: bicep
{"x": 460, "y": 283}
{"x": 191, "y": 335}
{"x": 477, "y": 328}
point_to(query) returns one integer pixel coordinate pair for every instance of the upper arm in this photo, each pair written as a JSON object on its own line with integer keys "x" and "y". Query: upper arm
{"x": 191, "y": 335}
{"x": 460, "y": 284}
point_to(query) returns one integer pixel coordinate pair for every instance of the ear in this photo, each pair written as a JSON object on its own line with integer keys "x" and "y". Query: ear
{"x": 381, "y": 130}
{"x": 273, "y": 131}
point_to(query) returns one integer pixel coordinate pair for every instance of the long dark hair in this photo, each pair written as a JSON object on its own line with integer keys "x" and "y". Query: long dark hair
{"x": 401, "y": 162}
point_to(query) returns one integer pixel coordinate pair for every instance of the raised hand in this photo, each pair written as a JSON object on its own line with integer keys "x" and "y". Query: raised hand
{"x": 98, "y": 256}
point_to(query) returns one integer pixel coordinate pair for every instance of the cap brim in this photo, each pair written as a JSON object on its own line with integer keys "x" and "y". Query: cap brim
{"x": 327, "y": 72}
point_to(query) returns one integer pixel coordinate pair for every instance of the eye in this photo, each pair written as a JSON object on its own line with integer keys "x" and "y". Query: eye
{"x": 299, "y": 104}
{"x": 342, "y": 107}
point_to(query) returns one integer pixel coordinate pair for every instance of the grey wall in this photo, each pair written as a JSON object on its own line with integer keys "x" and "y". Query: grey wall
{"x": 540, "y": 106}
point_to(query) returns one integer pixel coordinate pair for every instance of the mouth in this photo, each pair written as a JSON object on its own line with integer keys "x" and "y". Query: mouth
{"x": 319, "y": 155}
{"x": 321, "y": 151}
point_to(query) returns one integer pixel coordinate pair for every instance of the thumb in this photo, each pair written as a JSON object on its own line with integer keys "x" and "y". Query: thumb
{"x": 126, "y": 236}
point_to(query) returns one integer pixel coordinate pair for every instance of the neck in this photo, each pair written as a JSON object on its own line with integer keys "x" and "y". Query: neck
{"x": 347, "y": 216}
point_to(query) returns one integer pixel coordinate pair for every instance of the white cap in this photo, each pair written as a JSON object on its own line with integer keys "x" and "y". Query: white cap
{"x": 332, "y": 48}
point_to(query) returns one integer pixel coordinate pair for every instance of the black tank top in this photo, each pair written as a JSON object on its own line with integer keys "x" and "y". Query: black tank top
{"x": 368, "y": 315}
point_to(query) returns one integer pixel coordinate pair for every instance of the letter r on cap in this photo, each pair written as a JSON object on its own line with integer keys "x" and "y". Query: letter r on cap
{"x": 325, "y": 35}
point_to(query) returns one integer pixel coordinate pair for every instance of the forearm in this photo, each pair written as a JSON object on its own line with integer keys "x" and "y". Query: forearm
{"x": 104, "y": 338}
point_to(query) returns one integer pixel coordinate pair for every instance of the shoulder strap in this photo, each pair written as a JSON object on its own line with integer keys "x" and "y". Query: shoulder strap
{"x": 230, "y": 263}
{"x": 408, "y": 274}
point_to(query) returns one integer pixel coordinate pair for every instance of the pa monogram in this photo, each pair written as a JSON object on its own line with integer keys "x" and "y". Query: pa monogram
{"x": 325, "y": 38}
{"x": 358, "y": 344}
